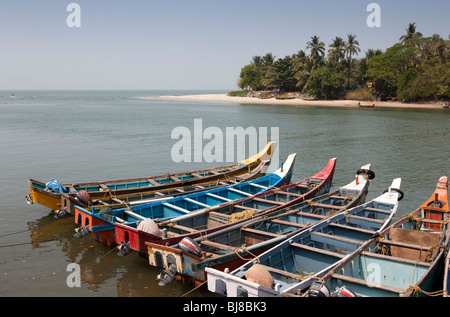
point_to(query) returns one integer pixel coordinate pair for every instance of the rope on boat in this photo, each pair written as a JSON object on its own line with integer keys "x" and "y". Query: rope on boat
{"x": 415, "y": 290}
{"x": 246, "y": 214}
{"x": 244, "y": 248}
{"x": 432, "y": 249}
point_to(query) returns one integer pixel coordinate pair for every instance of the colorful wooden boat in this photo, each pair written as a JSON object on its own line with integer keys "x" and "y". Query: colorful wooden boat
{"x": 102, "y": 223}
{"x": 226, "y": 214}
{"x": 49, "y": 194}
{"x": 68, "y": 201}
{"x": 230, "y": 247}
{"x": 311, "y": 252}
{"x": 371, "y": 105}
{"x": 405, "y": 260}
{"x": 446, "y": 284}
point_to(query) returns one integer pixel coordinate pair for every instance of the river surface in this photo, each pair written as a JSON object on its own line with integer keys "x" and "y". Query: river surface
{"x": 77, "y": 136}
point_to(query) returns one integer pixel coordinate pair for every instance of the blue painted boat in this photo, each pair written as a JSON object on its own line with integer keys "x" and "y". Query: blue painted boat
{"x": 221, "y": 216}
{"x": 101, "y": 222}
{"x": 230, "y": 247}
{"x": 313, "y": 252}
{"x": 405, "y": 260}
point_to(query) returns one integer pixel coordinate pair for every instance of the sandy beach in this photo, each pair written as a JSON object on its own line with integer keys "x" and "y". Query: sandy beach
{"x": 295, "y": 102}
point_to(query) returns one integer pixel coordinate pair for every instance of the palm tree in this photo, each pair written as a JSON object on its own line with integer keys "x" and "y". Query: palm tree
{"x": 336, "y": 51}
{"x": 268, "y": 59}
{"x": 352, "y": 47}
{"x": 257, "y": 61}
{"x": 301, "y": 66}
{"x": 317, "y": 49}
{"x": 371, "y": 53}
{"x": 411, "y": 35}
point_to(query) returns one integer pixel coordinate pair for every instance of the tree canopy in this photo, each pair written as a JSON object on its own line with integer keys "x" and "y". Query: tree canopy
{"x": 416, "y": 68}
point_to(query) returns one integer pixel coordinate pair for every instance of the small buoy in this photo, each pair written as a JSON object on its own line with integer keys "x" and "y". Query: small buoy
{"x": 259, "y": 275}
{"x": 83, "y": 197}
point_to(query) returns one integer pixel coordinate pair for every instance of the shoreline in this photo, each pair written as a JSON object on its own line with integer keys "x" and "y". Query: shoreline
{"x": 295, "y": 102}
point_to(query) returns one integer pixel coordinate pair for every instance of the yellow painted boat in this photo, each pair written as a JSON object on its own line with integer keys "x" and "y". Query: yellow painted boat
{"x": 126, "y": 191}
{"x": 371, "y": 105}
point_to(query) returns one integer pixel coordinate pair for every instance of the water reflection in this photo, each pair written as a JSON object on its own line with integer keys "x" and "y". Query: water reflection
{"x": 102, "y": 270}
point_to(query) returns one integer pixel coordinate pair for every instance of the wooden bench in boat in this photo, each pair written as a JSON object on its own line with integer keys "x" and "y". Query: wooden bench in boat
{"x": 268, "y": 201}
{"x": 340, "y": 197}
{"x": 329, "y": 239}
{"x": 338, "y": 225}
{"x": 287, "y": 193}
{"x": 325, "y": 206}
{"x": 318, "y": 250}
{"x": 174, "y": 178}
{"x": 394, "y": 258}
{"x": 364, "y": 283}
{"x": 183, "y": 228}
{"x": 260, "y": 232}
{"x": 217, "y": 245}
{"x": 365, "y": 219}
{"x": 383, "y": 211}
{"x": 152, "y": 181}
{"x": 288, "y": 223}
{"x": 283, "y": 273}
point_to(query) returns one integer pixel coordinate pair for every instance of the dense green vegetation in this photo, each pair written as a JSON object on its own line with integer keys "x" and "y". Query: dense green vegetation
{"x": 417, "y": 68}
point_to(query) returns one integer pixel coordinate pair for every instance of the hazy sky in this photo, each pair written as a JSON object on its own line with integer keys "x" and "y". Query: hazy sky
{"x": 188, "y": 44}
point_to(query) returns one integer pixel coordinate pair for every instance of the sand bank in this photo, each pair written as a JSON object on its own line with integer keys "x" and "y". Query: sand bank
{"x": 294, "y": 102}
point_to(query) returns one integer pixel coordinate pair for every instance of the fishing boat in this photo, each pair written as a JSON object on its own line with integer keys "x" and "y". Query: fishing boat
{"x": 102, "y": 222}
{"x": 230, "y": 247}
{"x": 314, "y": 251}
{"x": 405, "y": 260}
{"x": 49, "y": 194}
{"x": 370, "y": 105}
{"x": 69, "y": 201}
{"x": 226, "y": 213}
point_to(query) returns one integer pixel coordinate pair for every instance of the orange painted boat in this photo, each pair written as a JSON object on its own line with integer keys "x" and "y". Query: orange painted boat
{"x": 436, "y": 208}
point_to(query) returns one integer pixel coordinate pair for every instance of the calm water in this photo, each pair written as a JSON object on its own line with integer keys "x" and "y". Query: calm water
{"x": 99, "y": 135}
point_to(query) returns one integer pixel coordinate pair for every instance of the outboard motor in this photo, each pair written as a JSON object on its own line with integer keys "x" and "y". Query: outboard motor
{"x": 189, "y": 245}
{"x": 344, "y": 292}
{"x": 166, "y": 276}
{"x": 318, "y": 289}
{"x": 124, "y": 249}
{"x": 61, "y": 213}
{"x": 83, "y": 197}
{"x": 81, "y": 232}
